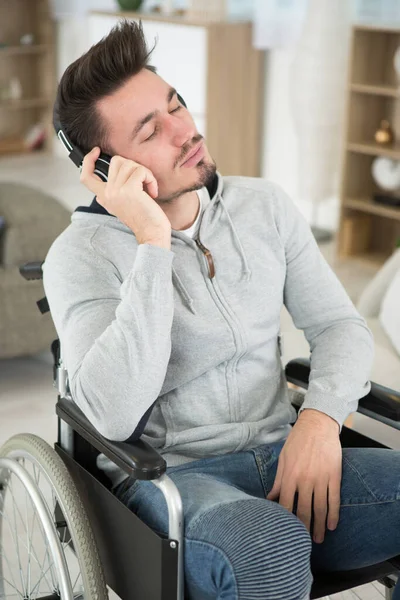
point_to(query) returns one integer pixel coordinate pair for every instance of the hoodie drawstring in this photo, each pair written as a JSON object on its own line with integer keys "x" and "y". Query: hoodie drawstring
{"x": 246, "y": 270}
{"x": 186, "y": 297}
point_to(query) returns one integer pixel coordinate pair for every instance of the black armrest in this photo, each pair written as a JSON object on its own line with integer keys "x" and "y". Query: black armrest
{"x": 138, "y": 459}
{"x": 381, "y": 400}
{"x": 32, "y": 270}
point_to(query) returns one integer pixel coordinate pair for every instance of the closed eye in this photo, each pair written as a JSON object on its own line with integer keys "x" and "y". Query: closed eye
{"x": 157, "y": 128}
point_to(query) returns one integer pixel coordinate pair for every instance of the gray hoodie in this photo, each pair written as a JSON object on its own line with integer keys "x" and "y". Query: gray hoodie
{"x": 182, "y": 350}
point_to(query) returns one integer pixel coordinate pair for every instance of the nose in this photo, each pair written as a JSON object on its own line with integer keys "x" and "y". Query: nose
{"x": 182, "y": 131}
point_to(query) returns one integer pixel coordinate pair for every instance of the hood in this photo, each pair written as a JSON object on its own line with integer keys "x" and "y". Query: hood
{"x": 215, "y": 190}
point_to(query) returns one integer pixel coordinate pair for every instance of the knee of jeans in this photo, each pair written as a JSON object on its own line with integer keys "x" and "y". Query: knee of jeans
{"x": 268, "y": 548}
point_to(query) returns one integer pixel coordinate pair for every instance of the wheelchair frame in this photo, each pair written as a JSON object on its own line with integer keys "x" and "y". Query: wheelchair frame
{"x": 149, "y": 565}
{"x": 162, "y": 559}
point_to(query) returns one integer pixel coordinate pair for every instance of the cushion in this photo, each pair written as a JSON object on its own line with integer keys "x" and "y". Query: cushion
{"x": 389, "y": 315}
{"x": 26, "y": 242}
{"x": 34, "y": 219}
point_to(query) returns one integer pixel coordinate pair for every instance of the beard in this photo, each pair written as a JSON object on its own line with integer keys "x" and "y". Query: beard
{"x": 205, "y": 174}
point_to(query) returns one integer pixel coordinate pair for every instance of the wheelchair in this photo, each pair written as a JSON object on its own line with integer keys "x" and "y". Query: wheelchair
{"x": 65, "y": 536}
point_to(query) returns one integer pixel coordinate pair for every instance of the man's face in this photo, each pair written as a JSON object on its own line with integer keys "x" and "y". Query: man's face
{"x": 146, "y": 123}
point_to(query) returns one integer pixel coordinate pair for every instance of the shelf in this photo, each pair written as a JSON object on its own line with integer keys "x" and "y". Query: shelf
{"x": 24, "y": 50}
{"x": 390, "y": 91}
{"x": 383, "y": 27}
{"x": 374, "y": 149}
{"x": 374, "y": 208}
{"x": 24, "y": 103}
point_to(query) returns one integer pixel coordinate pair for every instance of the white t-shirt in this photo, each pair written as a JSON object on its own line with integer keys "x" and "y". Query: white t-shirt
{"x": 204, "y": 198}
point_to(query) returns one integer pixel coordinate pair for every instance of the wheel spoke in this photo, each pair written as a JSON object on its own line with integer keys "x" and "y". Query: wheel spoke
{"x": 53, "y": 581}
{"x": 36, "y": 477}
{"x": 37, "y": 474}
{"x": 16, "y": 529}
{"x": 39, "y": 570}
{"x": 76, "y": 581}
{"x": 13, "y": 586}
{"x": 9, "y": 568}
{"x": 43, "y": 575}
{"x": 32, "y": 554}
{"x": 30, "y": 550}
{"x": 4, "y": 555}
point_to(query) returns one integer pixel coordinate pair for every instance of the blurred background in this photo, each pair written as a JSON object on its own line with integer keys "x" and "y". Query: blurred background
{"x": 305, "y": 93}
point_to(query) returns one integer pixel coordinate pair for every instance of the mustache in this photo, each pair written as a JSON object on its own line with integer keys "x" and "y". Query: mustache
{"x": 187, "y": 148}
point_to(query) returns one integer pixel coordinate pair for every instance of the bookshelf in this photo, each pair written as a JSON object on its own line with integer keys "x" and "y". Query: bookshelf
{"x": 368, "y": 230}
{"x": 33, "y": 65}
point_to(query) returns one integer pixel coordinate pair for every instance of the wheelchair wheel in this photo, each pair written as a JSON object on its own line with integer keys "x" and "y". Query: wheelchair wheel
{"x": 47, "y": 548}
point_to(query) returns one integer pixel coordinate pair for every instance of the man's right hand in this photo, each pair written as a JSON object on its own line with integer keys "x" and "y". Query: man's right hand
{"x": 123, "y": 196}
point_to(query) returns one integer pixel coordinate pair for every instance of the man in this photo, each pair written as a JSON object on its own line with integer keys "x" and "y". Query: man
{"x": 166, "y": 294}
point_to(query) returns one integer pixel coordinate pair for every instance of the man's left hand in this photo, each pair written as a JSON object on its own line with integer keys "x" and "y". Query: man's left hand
{"x": 310, "y": 463}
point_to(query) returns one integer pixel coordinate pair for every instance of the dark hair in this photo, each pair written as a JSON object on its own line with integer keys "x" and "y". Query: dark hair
{"x": 99, "y": 72}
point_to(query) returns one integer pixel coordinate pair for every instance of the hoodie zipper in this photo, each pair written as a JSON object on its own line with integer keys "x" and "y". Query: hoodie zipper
{"x": 233, "y": 391}
{"x": 208, "y": 255}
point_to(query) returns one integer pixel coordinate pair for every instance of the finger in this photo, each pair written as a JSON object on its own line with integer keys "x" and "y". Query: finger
{"x": 288, "y": 490}
{"x": 276, "y": 488}
{"x": 334, "y": 502}
{"x": 320, "y": 511}
{"x": 304, "y": 505}
{"x": 88, "y": 177}
{"x": 146, "y": 177}
{"x": 116, "y": 164}
{"x": 125, "y": 171}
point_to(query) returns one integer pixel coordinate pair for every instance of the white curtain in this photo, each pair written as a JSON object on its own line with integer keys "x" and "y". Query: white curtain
{"x": 318, "y": 94}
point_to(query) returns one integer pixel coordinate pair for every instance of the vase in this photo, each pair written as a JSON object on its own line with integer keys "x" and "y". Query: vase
{"x": 132, "y": 5}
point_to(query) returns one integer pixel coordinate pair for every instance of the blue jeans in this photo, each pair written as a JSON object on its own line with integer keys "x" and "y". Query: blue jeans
{"x": 239, "y": 545}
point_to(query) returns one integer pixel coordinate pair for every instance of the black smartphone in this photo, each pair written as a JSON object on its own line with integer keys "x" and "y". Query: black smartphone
{"x": 76, "y": 155}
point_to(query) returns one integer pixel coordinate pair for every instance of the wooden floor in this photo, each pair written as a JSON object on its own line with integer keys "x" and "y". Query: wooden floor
{"x": 371, "y": 591}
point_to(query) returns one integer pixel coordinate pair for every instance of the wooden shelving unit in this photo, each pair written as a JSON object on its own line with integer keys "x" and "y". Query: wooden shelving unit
{"x": 33, "y": 65}
{"x": 369, "y": 230}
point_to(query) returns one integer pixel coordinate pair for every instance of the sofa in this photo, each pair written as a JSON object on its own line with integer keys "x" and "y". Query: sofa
{"x": 31, "y": 222}
{"x": 386, "y": 366}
